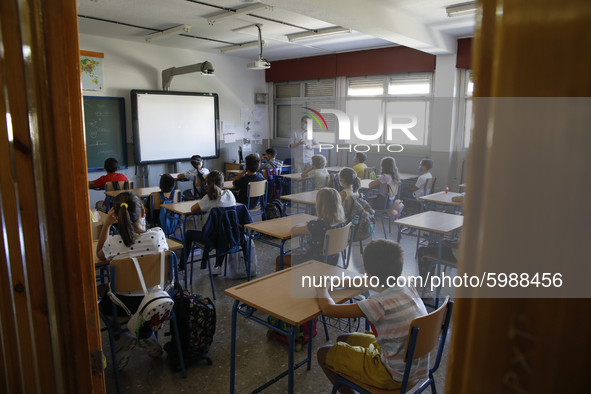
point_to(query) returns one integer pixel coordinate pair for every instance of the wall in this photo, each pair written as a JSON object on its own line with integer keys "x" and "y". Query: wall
{"x": 132, "y": 65}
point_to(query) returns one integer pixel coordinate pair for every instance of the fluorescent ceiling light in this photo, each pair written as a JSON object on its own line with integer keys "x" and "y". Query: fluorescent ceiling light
{"x": 317, "y": 33}
{"x": 242, "y": 46}
{"x": 163, "y": 34}
{"x": 461, "y": 9}
{"x": 239, "y": 12}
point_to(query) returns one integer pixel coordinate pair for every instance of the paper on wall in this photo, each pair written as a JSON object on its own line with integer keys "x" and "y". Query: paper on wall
{"x": 229, "y": 138}
{"x": 259, "y": 111}
{"x": 244, "y": 114}
{"x": 246, "y": 145}
{"x": 227, "y": 128}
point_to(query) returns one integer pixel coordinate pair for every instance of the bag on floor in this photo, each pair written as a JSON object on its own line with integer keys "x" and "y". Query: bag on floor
{"x": 154, "y": 308}
{"x": 274, "y": 209}
{"x": 236, "y": 266}
{"x": 302, "y": 334}
{"x": 196, "y": 321}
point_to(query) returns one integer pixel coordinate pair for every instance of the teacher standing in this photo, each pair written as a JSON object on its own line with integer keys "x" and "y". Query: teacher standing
{"x": 302, "y": 149}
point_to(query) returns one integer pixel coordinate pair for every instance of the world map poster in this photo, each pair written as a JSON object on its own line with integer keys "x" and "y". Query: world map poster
{"x": 91, "y": 69}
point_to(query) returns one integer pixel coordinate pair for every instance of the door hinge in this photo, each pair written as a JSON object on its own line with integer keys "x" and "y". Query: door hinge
{"x": 97, "y": 363}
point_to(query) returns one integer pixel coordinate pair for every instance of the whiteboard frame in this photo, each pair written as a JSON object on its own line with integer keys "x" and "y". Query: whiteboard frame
{"x": 135, "y": 124}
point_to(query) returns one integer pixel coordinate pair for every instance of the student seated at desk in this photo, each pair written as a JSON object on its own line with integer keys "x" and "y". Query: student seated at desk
{"x": 111, "y": 166}
{"x": 216, "y": 198}
{"x": 318, "y": 173}
{"x": 330, "y": 216}
{"x": 375, "y": 359}
{"x": 128, "y": 210}
{"x": 166, "y": 185}
{"x": 250, "y": 174}
{"x": 418, "y": 190}
{"x": 389, "y": 173}
{"x": 351, "y": 184}
{"x": 360, "y": 165}
{"x": 197, "y": 171}
{"x": 268, "y": 161}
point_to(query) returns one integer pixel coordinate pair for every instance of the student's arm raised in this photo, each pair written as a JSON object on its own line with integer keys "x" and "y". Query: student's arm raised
{"x": 109, "y": 220}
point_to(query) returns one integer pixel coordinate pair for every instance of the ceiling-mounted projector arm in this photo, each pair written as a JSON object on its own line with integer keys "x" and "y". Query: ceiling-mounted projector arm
{"x": 205, "y": 68}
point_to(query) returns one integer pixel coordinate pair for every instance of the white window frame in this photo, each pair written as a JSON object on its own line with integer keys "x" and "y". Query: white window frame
{"x": 465, "y": 96}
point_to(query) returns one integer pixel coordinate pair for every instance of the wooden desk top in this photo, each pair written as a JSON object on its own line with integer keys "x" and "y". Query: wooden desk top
{"x": 172, "y": 245}
{"x": 442, "y": 198}
{"x": 304, "y": 198}
{"x": 365, "y": 183}
{"x": 234, "y": 171}
{"x": 405, "y": 176}
{"x": 294, "y": 177}
{"x": 141, "y": 192}
{"x": 183, "y": 208}
{"x": 228, "y": 185}
{"x": 272, "y": 294}
{"x": 334, "y": 169}
{"x": 437, "y": 222}
{"x": 462, "y": 185}
{"x": 280, "y": 227}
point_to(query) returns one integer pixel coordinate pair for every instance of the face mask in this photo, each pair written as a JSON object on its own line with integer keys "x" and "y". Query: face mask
{"x": 420, "y": 170}
{"x": 305, "y": 126}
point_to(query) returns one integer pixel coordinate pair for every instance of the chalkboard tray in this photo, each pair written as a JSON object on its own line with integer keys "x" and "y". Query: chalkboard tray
{"x": 104, "y": 126}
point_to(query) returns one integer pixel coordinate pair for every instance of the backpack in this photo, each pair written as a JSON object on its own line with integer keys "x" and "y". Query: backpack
{"x": 227, "y": 234}
{"x": 363, "y": 217}
{"x": 196, "y": 321}
{"x": 154, "y": 308}
{"x": 273, "y": 183}
{"x": 167, "y": 222}
{"x": 274, "y": 209}
{"x": 373, "y": 176}
{"x": 302, "y": 334}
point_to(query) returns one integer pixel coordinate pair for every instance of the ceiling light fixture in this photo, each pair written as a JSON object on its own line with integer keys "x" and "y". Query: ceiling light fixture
{"x": 242, "y": 46}
{"x": 461, "y": 9}
{"x": 239, "y": 12}
{"x": 317, "y": 33}
{"x": 163, "y": 34}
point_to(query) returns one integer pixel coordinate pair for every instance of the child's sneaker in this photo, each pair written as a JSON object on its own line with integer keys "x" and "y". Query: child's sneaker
{"x": 124, "y": 347}
{"x": 152, "y": 346}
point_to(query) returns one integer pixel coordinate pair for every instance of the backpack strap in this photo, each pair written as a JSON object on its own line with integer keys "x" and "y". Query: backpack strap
{"x": 140, "y": 275}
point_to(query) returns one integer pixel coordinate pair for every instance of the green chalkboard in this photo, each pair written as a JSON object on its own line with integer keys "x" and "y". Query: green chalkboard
{"x": 104, "y": 125}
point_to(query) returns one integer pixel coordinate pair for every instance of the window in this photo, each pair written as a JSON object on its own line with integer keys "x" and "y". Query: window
{"x": 296, "y": 99}
{"x": 396, "y": 99}
{"x": 467, "y": 89}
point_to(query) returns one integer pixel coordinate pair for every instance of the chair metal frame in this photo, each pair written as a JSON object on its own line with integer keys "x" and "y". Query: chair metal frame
{"x": 117, "y": 185}
{"x": 384, "y": 213}
{"x": 111, "y": 320}
{"x": 415, "y": 343}
{"x": 262, "y": 198}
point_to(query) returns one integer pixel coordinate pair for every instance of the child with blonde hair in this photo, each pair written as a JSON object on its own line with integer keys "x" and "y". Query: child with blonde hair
{"x": 318, "y": 173}
{"x": 329, "y": 216}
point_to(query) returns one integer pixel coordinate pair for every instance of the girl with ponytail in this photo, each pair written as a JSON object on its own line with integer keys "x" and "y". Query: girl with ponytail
{"x": 133, "y": 240}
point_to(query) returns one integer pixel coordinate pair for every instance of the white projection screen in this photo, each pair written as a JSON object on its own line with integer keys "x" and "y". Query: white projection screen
{"x": 173, "y": 126}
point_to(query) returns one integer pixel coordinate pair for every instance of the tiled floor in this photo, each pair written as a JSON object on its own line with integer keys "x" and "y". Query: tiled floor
{"x": 258, "y": 358}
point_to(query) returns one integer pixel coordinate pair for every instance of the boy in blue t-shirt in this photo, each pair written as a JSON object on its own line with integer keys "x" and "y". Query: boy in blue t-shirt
{"x": 250, "y": 174}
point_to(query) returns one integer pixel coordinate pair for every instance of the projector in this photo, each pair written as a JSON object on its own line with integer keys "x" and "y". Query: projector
{"x": 258, "y": 65}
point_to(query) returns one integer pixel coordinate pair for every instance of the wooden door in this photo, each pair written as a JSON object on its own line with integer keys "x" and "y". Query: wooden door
{"x": 48, "y": 303}
{"x": 525, "y": 48}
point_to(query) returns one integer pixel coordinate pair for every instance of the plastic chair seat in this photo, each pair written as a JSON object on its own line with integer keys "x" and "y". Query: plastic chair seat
{"x": 444, "y": 261}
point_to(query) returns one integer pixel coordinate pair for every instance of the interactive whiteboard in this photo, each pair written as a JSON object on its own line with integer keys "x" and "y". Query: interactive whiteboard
{"x": 173, "y": 126}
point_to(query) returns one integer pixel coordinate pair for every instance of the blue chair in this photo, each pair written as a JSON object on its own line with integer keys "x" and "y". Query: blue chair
{"x": 393, "y": 190}
{"x": 110, "y": 186}
{"x": 124, "y": 279}
{"x": 155, "y": 200}
{"x": 408, "y": 202}
{"x": 424, "y": 334}
{"x": 257, "y": 189}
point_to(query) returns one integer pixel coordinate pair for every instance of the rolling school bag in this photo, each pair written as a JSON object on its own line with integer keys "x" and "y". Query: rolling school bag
{"x": 196, "y": 319}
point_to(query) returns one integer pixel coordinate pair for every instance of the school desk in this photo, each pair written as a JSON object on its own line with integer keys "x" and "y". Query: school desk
{"x": 334, "y": 169}
{"x": 462, "y": 186}
{"x": 443, "y": 201}
{"x": 279, "y": 228}
{"x": 228, "y": 185}
{"x": 438, "y": 225}
{"x": 307, "y": 199}
{"x": 297, "y": 178}
{"x": 271, "y": 294}
{"x": 142, "y": 192}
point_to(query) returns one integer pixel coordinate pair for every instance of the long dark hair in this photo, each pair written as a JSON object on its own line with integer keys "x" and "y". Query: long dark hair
{"x": 128, "y": 208}
{"x": 389, "y": 167}
{"x": 215, "y": 181}
{"x": 350, "y": 176}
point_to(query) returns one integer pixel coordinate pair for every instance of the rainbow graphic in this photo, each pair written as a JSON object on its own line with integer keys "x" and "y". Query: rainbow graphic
{"x": 315, "y": 115}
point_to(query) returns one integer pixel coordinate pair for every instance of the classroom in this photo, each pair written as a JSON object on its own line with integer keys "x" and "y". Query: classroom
{"x": 475, "y": 105}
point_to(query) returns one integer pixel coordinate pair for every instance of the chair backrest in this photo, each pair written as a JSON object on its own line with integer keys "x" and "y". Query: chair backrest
{"x": 118, "y": 185}
{"x": 337, "y": 240}
{"x": 393, "y": 188}
{"x": 257, "y": 189}
{"x": 430, "y": 329}
{"x": 367, "y": 171}
{"x": 155, "y": 199}
{"x": 127, "y": 279}
{"x": 430, "y": 185}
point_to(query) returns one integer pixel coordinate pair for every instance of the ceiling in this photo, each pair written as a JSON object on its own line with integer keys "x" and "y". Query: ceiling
{"x": 419, "y": 24}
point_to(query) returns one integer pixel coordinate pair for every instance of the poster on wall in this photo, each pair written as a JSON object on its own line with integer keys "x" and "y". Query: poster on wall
{"x": 91, "y": 71}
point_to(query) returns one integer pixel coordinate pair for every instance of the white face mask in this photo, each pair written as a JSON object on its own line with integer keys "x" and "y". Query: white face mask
{"x": 305, "y": 126}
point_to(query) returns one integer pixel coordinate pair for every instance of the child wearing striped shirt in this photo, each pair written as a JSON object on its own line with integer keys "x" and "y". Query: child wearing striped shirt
{"x": 376, "y": 358}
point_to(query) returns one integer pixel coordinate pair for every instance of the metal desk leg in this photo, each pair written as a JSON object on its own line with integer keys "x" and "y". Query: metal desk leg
{"x": 281, "y": 254}
{"x": 233, "y": 349}
{"x": 439, "y": 253}
{"x": 310, "y": 336}
{"x": 291, "y": 363}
